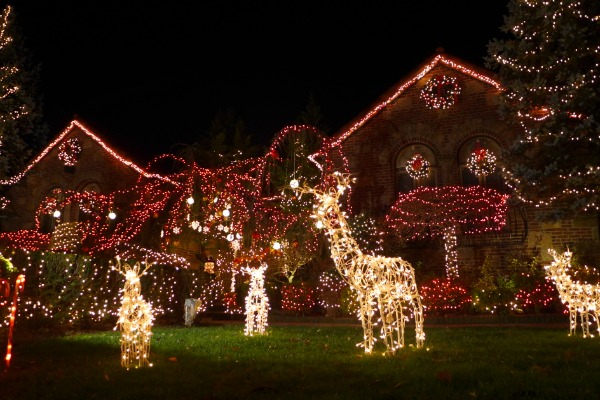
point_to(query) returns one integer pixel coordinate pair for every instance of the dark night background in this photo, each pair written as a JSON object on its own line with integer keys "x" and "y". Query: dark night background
{"x": 147, "y": 75}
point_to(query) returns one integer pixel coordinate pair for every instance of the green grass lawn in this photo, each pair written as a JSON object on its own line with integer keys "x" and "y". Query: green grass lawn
{"x": 300, "y": 362}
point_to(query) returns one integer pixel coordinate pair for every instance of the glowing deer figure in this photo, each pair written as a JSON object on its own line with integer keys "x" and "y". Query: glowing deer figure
{"x": 135, "y": 318}
{"x": 582, "y": 298}
{"x": 257, "y": 302}
{"x": 383, "y": 284}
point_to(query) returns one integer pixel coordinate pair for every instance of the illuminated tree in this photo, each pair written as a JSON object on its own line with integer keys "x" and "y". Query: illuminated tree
{"x": 447, "y": 211}
{"x": 21, "y": 128}
{"x": 548, "y": 66}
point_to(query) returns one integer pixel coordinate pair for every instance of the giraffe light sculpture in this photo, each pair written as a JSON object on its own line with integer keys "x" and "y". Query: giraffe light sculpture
{"x": 385, "y": 286}
{"x": 582, "y": 298}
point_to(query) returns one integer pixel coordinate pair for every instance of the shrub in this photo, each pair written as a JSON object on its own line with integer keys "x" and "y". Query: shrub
{"x": 444, "y": 296}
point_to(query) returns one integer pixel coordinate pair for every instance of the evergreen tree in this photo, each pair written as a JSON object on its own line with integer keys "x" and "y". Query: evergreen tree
{"x": 548, "y": 66}
{"x": 312, "y": 115}
{"x": 22, "y": 130}
{"x": 225, "y": 142}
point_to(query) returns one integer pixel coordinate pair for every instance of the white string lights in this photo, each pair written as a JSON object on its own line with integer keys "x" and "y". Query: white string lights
{"x": 257, "y": 302}
{"x": 385, "y": 286}
{"x": 582, "y": 298}
{"x": 135, "y": 318}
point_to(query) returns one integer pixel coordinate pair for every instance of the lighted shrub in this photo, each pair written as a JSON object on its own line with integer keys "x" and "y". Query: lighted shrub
{"x": 444, "y": 296}
{"x": 297, "y": 298}
{"x": 329, "y": 291}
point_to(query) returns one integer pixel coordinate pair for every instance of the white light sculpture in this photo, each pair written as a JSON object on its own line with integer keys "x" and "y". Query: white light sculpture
{"x": 385, "y": 286}
{"x": 257, "y": 302}
{"x": 582, "y": 298}
{"x": 135, "y": 318}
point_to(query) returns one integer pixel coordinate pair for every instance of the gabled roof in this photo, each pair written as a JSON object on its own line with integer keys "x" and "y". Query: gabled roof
{"x": 76, "y": 124}
{"x": 399, "y": 88}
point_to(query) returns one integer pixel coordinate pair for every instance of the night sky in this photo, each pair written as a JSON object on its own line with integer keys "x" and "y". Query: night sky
{"x": 146, "y": 75}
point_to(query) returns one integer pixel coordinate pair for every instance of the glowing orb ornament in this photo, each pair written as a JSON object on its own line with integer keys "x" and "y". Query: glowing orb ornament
{"x": 294, "y": 183}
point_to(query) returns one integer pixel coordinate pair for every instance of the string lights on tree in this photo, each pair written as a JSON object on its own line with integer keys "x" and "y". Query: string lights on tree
{"x": 549, "y": 71}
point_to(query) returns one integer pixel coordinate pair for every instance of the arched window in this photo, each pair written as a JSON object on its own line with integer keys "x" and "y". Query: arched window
{"x": 83, "y": 210}
{"x": 50, "y": 216}
{"x": 416, "y": 166}
{"x": 478, "y": 162}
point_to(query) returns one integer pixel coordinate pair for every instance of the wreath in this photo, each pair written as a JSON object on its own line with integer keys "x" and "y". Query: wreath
{"x": 482, "y": 162}
{"x": 440, "y": 92}
{"x": 69, "y": 152}
{"x": 417, "y": 167}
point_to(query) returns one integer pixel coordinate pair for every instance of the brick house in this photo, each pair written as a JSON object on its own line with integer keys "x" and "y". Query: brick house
{"x": 444, "y": 111}
{"x": 78, "y": 160}
{"x": 459, "y": 116}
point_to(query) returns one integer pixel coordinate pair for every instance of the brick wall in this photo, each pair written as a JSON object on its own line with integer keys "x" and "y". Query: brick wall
{"x": 372, "y": 150}
{"x": 95, "y": 166}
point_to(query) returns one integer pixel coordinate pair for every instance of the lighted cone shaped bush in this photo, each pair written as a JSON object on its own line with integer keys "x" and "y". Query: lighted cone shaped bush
{"x": 581, "y": 297}
{"x": 135, "y": 318}
{"x": 385, "y": 286}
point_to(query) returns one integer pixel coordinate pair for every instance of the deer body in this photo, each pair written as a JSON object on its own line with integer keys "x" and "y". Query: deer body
{"x": 385, "y": 286}
{"x": 581, "y": 298}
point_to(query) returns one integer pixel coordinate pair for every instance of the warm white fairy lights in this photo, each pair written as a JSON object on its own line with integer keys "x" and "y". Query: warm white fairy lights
{"x": 68, "y": 151}
{"x": 417, "y": 167}
{"x": 135, "y": 318}
{"x": 581, "y": 297}
{"x": 385, "y": 286}
{"x": 440, "y": 92}
{"x": 65, "y": 237}
{"x": 257, "y": 302}
{"x": 482, "y": 162}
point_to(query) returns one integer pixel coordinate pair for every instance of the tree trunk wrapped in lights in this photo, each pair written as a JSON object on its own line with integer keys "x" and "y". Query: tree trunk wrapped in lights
{"x": 135, "y": 318}
{"x": 385, "y": 286}
{"x": 581, "y": 297}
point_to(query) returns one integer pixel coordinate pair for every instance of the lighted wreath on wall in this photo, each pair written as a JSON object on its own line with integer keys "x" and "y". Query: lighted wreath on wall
{"x": 440, "y": 92}
{"x": 482, "y": 162}
{"x": 417, "y": 167}
{"x": 69, "y": 152}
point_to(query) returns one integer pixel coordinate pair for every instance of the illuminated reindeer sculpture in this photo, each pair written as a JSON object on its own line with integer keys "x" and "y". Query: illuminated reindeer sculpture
{"x": 582, "y": 298}
{"x": 384, "y": 285}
